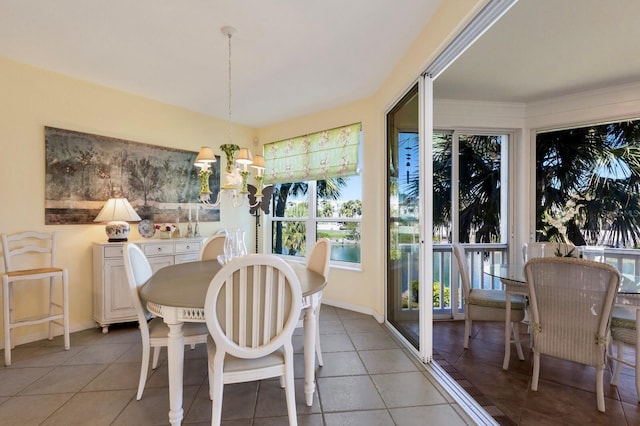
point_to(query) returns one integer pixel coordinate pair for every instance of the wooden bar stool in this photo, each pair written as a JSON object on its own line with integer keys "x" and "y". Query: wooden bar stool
{"x": 33, "y": 249}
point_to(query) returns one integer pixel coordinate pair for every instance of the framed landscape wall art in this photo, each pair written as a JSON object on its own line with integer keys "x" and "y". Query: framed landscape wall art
{"x": 83, "y": 171}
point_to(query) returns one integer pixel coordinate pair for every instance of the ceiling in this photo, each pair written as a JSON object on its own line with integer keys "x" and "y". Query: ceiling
{"x": 547, "y": 48}
{"x": 291, "y": 58}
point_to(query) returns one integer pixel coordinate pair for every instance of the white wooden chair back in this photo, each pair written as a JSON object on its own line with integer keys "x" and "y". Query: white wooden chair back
{"x": 320, "y": 256}
{"x": 28, "y": 250}
{"x": 138, "y": 271}
{"x": 252, "y": 305}
{"x": 212, "y": 247}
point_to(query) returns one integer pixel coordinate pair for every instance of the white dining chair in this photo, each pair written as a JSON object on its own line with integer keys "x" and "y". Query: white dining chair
{"x": 571, "y": 302}
{"x": 623, "y": 332}
{"x": 487, "y": 305}
{"x": 31, "y": 256}
{"x": 318, "y": 261}
{"x": 252, "y": 306}
{"x": 154, "y": 332}
{"x": 212, "y": 247}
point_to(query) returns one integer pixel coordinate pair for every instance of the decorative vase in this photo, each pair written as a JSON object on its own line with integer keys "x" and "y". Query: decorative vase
{"x": 166, "y": 235}
{"x": 234, "y": 245}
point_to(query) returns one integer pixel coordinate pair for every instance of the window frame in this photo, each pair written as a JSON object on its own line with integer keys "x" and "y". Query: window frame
{"x": 311, "y": 222}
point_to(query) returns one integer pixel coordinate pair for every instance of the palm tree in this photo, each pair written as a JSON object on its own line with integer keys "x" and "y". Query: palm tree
{"x": 587, "y": 184}
{"x": 326, "y": 189}
{"x": 479, "y": 186}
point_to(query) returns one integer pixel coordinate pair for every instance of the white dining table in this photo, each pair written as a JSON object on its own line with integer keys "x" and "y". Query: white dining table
{"x": 177, "y": 294}
{"x": 513, "y": 278}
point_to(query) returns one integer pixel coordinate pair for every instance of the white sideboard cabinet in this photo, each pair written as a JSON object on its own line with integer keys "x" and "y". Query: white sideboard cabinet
{"x": 111, "y": 297}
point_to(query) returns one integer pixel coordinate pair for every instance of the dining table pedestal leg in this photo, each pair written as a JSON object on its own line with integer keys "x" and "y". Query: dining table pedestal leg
{"x": 175, "y": 361}
{"x": 310, "y": 324}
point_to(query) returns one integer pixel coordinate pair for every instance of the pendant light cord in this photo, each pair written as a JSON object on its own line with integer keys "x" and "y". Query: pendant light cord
{"x": 229, "y": 111}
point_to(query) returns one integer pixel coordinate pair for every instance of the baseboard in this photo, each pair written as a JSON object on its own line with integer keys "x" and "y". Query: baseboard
{"x": 355, "y": 308}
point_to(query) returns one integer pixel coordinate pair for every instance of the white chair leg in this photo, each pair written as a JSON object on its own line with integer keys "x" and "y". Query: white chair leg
{"x": 467, "y": 332}
{"x": 536, "y": 371}
{"x": 619, "y": 357}
{"x": 156, "y": 356}
{"x": 144, "y": 367}
{"x": 52, "y": 306}
{"x": 65, "y": 309}
{"x": 289, "y": 389}
{"x": 210, "y": 352}
{"x": 600, "y": 388}
{"x": 6, "y": 301}
{"x": 516, "y": 339}
{"x": 217, "y": 388}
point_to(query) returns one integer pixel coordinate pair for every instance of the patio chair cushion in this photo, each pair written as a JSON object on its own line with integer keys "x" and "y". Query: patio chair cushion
{"x": 622, "y": 317}
{"x": 494, "y": 299}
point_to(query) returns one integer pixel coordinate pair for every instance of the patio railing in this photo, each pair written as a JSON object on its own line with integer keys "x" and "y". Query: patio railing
{"x": 447, "y": 300}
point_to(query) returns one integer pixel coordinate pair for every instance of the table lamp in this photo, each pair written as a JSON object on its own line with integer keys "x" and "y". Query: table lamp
{"x": 117, "y": 212}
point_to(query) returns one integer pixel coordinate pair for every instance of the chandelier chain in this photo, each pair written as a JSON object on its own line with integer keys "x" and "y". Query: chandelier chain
{"x": 229, "y": 111}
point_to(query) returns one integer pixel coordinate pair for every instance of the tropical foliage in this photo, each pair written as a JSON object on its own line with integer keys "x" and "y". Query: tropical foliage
{"x": 479, "y": 186}
{"x": 588, "y": 185}
{"x": 289, "y": 237}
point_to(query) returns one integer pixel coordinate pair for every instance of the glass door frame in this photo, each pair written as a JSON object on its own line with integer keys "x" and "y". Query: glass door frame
{"x": 485, "y": 18}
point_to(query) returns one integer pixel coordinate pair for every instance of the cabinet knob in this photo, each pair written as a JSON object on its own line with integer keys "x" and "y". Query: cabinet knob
{"x": 159, "y": 249}
{"x": 188, "y": 247}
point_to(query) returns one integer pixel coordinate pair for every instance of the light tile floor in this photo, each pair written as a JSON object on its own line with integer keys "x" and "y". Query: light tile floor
{"x": 367, "y": 379}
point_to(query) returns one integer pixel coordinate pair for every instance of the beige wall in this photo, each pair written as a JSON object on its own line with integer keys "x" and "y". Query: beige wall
{"x": 33, "y": 98}
{"x": 363, "y": 290}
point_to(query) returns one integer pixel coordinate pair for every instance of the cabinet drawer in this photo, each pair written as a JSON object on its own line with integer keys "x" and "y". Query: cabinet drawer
{"x": 113, "y": 251}
{"x": 188, "y": 247}
{"x": 188, "y": 257}
{"x": 157, "y": 249}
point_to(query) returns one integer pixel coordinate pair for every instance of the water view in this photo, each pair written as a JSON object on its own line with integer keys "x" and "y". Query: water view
{"x": 345, "y": 252}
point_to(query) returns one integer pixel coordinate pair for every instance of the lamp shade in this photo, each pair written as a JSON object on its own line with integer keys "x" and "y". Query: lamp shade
{"x": 117, "y": 212}
{"x": 258, "y": 162}
{"x": 244, "y": 156}
{"x": 205, "y": 156}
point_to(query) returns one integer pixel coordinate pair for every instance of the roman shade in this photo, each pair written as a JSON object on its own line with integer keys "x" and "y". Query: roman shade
{"x": 316, "y": 156}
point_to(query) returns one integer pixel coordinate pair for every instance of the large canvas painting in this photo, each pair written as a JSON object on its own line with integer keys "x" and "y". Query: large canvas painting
{"x": 84, "y": 170}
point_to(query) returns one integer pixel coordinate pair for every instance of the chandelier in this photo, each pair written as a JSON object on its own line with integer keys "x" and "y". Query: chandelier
{"x": 238, "y": 159}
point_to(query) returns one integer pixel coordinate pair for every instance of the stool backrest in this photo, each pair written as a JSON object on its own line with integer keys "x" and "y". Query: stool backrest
{"x": 19, "y": 250}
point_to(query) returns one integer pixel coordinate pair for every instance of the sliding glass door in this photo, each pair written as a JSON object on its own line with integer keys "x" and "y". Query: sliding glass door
{"x": 403, "y": 216}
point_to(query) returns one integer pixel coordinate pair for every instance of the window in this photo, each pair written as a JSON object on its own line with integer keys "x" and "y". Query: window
{"x": 587, "y": 185}
{"x": 304, "y": 211}
{"x": 469, "y": 190}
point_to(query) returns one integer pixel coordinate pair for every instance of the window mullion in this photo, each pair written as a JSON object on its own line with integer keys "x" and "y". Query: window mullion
{"x": 312, "y": 215}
